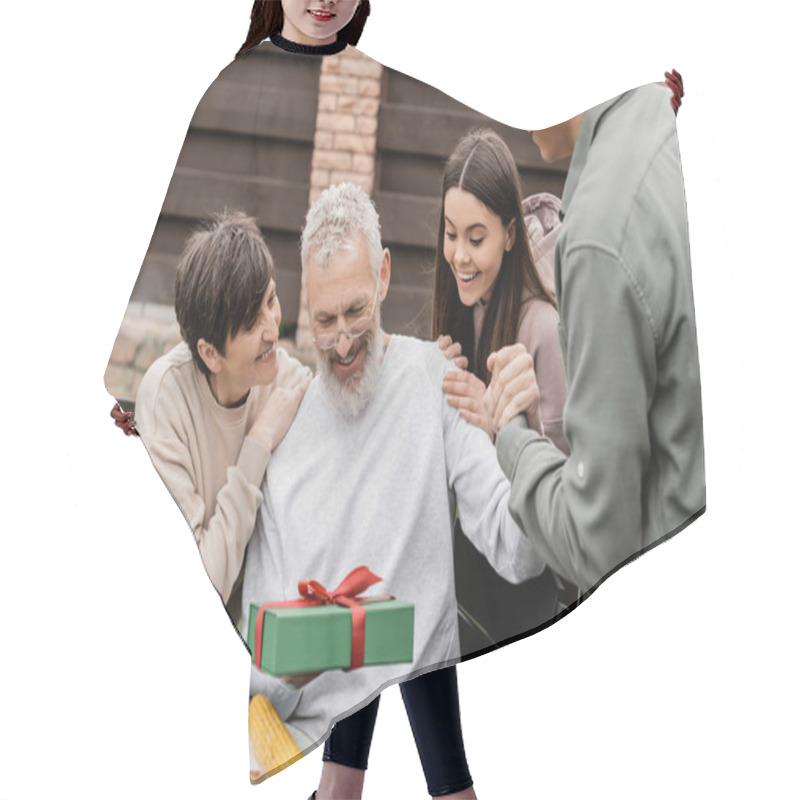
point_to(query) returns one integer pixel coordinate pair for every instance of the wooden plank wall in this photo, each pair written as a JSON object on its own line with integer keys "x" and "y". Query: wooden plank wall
{"x": 418, "y": 127}
{"x": 249, "y": 146}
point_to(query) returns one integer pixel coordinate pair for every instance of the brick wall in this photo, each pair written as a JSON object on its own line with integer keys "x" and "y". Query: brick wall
{"x": 148, "y": 331}
{"x": 345, "y": 139}
{"x": 347, "y": 122}
{"x": 343, "y": 150}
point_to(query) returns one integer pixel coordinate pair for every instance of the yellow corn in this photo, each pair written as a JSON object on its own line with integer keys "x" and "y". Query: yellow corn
{"x": 272, "y": 744}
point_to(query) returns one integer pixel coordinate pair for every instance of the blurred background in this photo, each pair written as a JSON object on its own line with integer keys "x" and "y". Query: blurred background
{"x": 269, "y": 135}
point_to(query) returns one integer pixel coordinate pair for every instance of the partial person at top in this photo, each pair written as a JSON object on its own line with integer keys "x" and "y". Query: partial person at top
{"x": 307, "y": 23}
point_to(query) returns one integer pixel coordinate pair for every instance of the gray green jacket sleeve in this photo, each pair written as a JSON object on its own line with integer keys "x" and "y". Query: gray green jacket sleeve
{"x": 584, "y": 512}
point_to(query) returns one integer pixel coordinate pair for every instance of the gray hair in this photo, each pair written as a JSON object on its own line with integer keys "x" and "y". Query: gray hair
{"x": 334, "y": 222}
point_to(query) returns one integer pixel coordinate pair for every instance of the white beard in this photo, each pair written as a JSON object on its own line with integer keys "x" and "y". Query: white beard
{"x": 352, "y": 397}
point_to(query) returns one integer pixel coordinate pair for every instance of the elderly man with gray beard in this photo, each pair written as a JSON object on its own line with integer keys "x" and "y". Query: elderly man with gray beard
{"x": 367, "y": 475}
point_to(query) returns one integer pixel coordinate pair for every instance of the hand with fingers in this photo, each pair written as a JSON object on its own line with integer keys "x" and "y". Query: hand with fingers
{"x": 513, "y": 389}
{"x": 278, "y": 414}
{"x": 465, "y": 392}
{"x": 675, "y": 82}
{"x": 452, "y": 351}
{"x": 299, "y": 681}
{"x": 124, "y": 420}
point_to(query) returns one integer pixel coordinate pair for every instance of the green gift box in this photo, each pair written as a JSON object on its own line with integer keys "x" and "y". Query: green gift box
{"x": 315, "y": 638}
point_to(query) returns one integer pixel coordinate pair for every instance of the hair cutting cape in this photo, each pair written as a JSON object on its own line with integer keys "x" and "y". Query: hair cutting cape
{"x": 271, "y": 133}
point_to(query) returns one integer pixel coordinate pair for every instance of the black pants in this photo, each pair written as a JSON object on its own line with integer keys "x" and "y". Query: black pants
{"x": 431, "y": 702}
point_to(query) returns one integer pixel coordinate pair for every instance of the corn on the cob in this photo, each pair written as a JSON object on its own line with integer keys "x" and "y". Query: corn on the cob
{"x": 272, "y": 744}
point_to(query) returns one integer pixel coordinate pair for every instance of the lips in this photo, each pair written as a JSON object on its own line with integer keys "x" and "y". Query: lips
{"x": 321, "y": 16}
{"x": 346, "y": 362}
{"x": 348, "y": 366}
{"x": 467, "y": 277}
{"x": 267, "y": 354}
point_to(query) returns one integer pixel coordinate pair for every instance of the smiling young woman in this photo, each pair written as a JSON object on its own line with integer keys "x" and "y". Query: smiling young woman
{"x": 306, "y": 22}
{"x": 488, "y": 291}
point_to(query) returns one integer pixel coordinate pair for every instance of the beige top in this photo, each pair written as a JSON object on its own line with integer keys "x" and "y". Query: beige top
{"x": 203, "y": 455}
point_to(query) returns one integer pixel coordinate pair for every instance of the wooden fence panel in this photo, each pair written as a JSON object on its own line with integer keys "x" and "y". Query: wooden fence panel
{"x": 418, "y": 127}
{"x": 249, "y": 146}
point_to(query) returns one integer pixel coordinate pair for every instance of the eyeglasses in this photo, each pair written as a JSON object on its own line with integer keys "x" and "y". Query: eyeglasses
{"x": 328, "y": 339}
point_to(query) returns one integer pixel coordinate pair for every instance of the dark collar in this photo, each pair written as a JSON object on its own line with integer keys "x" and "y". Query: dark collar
{"x": 306, "y": 49}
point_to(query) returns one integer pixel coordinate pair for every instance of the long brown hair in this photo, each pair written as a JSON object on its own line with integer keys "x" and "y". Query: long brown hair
{"x": 482, "y": 165}
{"x": 266, "y": 19}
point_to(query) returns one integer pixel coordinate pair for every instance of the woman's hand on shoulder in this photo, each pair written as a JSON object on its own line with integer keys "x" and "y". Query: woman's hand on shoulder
{"x": 278, "y": 413}
{"x": 452, "y": 351}
{"x": 465, "y": 392}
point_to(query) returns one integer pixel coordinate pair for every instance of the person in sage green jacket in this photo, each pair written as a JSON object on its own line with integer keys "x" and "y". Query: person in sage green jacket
{"x": 635, "y": 474}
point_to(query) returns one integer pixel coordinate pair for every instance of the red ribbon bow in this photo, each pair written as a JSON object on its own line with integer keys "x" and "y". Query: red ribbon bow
{"x": 315, "y": 594}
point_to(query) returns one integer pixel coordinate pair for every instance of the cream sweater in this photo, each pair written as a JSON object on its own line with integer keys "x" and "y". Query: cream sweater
{"x": 205, "y": 458}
